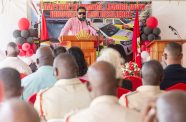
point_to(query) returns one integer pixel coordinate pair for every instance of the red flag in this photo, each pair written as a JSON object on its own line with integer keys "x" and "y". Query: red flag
{"x": 44, "y": 30}
{"x": 136, "y": 35}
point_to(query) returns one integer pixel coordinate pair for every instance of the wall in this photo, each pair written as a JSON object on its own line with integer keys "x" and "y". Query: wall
{"x": 10, "y": 12}
{"x": 170, "y": 13}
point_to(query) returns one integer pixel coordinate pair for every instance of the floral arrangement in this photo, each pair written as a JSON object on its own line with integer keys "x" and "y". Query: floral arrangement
{"x": 130, "y": 69}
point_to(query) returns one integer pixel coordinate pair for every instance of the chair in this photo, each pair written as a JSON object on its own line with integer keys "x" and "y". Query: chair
{"x": 121, "y": 91}
{"x": 178, "y": 86}
{"x": 136, "y": 81}
{"x": 32, "y": 98}
{"x": 22, "y": 75}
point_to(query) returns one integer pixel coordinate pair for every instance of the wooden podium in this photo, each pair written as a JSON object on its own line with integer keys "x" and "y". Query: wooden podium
{"x": 157, "y": 47}
{"x": 87, "y": 46}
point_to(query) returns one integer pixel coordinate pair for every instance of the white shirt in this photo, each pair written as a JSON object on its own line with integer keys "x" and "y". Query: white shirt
{"x": 65, "y": 96}
{"x": 105, "y": 109}
{"x": 16, "y": 63}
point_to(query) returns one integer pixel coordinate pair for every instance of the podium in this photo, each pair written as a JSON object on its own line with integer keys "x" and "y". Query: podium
{"x": 157, "y": 48}
{"x": 87, "y": 45}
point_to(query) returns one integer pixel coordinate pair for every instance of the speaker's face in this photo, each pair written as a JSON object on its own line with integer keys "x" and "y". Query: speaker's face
{"x": 81, "y": 14}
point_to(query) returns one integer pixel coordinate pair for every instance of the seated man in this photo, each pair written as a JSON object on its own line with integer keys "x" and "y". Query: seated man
{"x": 104, "y": 107}
{"x": 43, "y": 77}
{"x": 18, "y": 111}
{"x": 13, "y": 61}
{"x": 174, "y": 73}
{"x": 67, "y": 94}
{"x": 152, "y": 75}
{"x": 169, "y": 107}
{"x": 11, "y": 83}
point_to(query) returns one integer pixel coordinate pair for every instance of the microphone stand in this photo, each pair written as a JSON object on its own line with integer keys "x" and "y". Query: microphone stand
{"x": 176, "y": 33}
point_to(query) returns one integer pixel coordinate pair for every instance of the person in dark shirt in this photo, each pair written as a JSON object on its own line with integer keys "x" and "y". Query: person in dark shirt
{"x": 174, "y": 72}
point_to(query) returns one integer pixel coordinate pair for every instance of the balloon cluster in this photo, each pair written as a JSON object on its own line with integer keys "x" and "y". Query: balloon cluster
{"x": 151, "y": 31}
{"x": 25, "y": 38}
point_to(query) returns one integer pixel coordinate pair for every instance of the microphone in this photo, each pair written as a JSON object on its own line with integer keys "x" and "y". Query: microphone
{"x": 88, "y": 22}
{"x": 171, "y": 28}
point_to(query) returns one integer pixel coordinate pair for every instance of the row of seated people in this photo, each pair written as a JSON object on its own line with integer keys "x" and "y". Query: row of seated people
{"x": 51, "y": 101}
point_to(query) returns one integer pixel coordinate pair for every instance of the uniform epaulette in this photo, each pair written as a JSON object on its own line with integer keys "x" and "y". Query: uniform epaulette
{"x": 131, "y": 93}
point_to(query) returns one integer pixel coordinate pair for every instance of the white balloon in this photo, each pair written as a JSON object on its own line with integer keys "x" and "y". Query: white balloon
{"x": 145, "y": 56}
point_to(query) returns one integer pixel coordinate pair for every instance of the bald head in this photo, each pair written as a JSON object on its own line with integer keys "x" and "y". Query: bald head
{"x": 152, "y": 73}
{"x": 44, "y": 56}
{"x": 18, "y": 111}
{"x": 12, "y": 49}
{"x": 65, "y": 66}
{"x": 12, "y": 82}
{"x": 174, "y": 50}
{"x": 171, "y": 107}
{"x": 102, "y": 77}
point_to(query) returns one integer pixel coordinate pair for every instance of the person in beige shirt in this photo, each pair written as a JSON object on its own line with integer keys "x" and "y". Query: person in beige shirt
{"x": 168, "y": 107}
{"x": 13, "y": 61}
{"x": 152, "y": 75}
{"x": 67, "y": 94}
{"x": 105, "y": 106}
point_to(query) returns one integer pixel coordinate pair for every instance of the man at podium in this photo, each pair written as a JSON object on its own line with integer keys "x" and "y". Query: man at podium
{"x": 77, "y": 24}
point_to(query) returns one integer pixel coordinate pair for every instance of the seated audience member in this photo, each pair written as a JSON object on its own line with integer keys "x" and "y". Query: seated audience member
{"x": 11, "y": 82}
{"x": 43, "y": 77}
{"x": 169, "y": 107}
{"x": 16, "y": 110}
{"x": 80, "y": 59}
{"x": 67, "y": 94}
{"x": 104, "y": 107}
{"x": 112, "y": 56}
{"x": 58, "y": 50}
{"x": 13, "y": 61}
{"x": 152, "y": 74}
{"x": 174, "y": 73}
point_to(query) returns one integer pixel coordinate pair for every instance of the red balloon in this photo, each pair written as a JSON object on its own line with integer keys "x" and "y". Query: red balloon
{"x": 152, "y": 22}
{"x": 23, "y": 24}
{"x": 26, "y": 46}
{"x": 22, "y": 52}
{"x": 143, "y": 47}
{"x": 29, "y": 53}
{"x": 19, "y": 46}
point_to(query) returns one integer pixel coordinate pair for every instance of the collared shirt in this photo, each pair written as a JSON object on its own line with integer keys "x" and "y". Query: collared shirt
{"x": 65, "y": 96}
{"x": 136, "y": 100}
{"x": 173, "y": 74}
{"x": 105, "y": 109}
{"x": 74, "y": 25}
{"x": 41, "y": 79}
{"x": 16, "y": 63}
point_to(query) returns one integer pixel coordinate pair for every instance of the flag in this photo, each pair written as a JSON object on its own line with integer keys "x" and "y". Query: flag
{"x": 44, "y": 30}
{"x": 136, "y": 36}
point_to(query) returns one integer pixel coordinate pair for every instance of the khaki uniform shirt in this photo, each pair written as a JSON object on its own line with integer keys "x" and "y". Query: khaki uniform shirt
{"x": 105, "y": 109}
{"x": 138, "y": 99}
{"x": 65, "y": 96}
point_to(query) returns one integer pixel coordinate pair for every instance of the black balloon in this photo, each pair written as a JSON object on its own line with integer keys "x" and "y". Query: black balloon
{"x": 156, "y": 31}
{"x": 17, "y": 33}
{"x": 158, "y": 37}
{"x": 144, "y": 36}
{"x": 30, "y": 39}
{"x": 151, "y": 37}
{"x": 25, "y": 33}
{"x": 20, "y": 40}
{"x": 33, "y": 32}
{"x": 147, "y": 30}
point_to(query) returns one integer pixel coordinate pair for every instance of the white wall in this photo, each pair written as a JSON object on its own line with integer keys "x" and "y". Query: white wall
{"x": 170, "y": 13}
{"x": 10, "y": 12}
